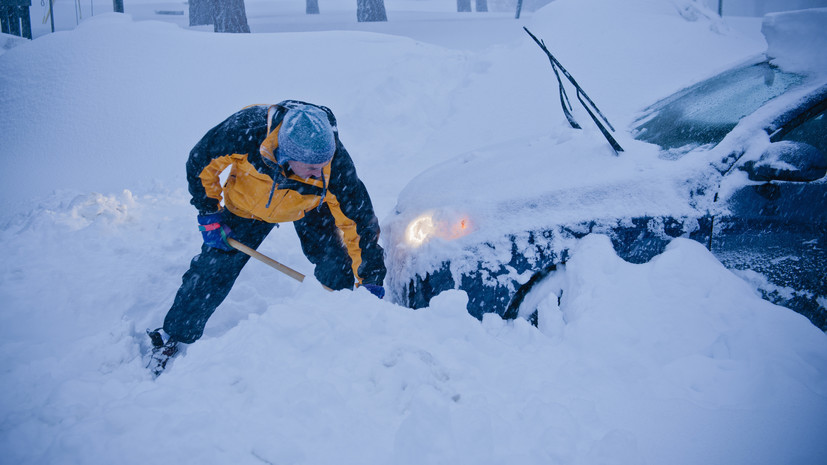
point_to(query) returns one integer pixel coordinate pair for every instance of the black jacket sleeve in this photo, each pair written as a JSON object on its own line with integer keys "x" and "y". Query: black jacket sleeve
{"x": 356, "y": 205}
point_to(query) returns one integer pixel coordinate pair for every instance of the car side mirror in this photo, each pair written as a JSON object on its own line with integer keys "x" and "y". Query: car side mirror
{"x": 788, "y": 161}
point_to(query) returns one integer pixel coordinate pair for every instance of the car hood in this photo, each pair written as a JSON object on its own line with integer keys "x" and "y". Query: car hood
{"x": 563, "y": 178}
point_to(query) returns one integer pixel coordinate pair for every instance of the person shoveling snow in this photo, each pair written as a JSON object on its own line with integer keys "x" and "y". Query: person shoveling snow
{"x": 288, "y": 165}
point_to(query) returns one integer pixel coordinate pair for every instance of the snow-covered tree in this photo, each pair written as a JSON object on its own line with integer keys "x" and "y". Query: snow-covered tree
{"x": 224, "y": 15}
{"x": 201, "y": 12}
{"x": 230, "y": 16}
{"x": 311, "y": 7}
{"x": 370, "y": 10}
{"x": 464, "y": 6}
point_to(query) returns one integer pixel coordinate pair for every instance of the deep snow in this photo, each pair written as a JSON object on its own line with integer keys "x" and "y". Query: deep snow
{"x": 674, "y": 361}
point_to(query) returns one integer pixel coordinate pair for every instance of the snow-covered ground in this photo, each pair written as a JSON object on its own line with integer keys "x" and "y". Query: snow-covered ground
{"x": 674, "y": 361}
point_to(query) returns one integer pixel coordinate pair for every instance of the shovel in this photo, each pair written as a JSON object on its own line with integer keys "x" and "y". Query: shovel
{"x": 264, "y": 258}
{"x": 268, "y": 261}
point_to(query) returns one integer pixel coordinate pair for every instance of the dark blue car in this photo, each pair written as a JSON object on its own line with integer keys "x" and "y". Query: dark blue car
{"x": 736, "y": 162}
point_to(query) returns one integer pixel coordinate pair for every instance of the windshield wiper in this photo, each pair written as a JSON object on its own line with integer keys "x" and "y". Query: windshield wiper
{"x": 581, "y": 94}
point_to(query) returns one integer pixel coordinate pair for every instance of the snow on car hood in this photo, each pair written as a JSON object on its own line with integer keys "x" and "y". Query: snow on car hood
{"x": 567, "y": 177}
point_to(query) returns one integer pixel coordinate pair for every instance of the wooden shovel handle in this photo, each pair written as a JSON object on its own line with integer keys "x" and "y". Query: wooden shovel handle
{"x": 264, "y": 258}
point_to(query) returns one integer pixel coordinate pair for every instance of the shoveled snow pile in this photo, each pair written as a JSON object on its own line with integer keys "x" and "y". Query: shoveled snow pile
{"x": 673, "y": 361}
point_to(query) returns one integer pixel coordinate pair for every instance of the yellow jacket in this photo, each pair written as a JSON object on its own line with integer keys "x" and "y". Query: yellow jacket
{"x": 259, "y": 188}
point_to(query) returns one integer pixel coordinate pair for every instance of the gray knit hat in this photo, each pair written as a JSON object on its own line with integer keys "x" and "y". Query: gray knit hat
{"x": 306, "y": 136}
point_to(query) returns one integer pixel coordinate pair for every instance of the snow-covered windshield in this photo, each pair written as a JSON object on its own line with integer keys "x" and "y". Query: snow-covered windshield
{"x": 706, "y": 112}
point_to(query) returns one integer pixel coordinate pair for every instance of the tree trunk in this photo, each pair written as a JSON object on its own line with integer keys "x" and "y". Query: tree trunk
{"x": 482, "y": 6}
{"x": 463, "y": 6}
{"x": 230, "y": 16}
{"x": 201, "y": 12}
{"x": 370, "y": 10}
{"x": 311, "y": 7}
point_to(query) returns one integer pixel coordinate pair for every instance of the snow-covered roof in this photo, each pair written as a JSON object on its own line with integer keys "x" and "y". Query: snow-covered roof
{"x": 797, "y": 40}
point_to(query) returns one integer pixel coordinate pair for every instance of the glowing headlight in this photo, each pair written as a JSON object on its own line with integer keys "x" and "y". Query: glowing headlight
{"x": 419, "y": 230}
{"x": 427, "y": 226}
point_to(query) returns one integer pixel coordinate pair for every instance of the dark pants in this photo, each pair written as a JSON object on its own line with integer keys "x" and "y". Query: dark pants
{"x": 213, "y": 272}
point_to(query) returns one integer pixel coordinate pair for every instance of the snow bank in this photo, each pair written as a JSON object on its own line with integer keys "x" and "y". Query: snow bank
{"x": 118, "y": 103}
{"x": 8, "y": 41}
{"x": 635, "y": 361}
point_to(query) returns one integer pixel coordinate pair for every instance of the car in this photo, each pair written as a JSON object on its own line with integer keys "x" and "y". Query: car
{"x": 736, "y": 162}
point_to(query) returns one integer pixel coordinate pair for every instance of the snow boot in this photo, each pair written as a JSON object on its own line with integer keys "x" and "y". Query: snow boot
{"x": 162, "y": 352}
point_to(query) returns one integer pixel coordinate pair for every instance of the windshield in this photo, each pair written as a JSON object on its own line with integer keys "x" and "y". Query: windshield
{"x": 706, "y": 112}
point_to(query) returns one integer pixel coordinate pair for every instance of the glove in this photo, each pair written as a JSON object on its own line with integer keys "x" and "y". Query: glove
{"x": 215, "y": 234}
{"x": 375, "y": 289}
